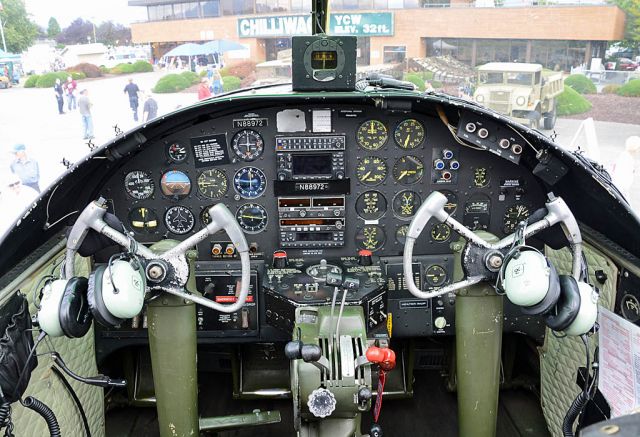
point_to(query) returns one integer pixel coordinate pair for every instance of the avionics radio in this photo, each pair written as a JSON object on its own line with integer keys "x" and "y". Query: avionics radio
{"x": 310, "y": 158}
{"x": 311, "y": 221}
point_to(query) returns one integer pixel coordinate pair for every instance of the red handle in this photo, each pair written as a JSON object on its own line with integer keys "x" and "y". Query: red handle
{"x": 384, "y": 357}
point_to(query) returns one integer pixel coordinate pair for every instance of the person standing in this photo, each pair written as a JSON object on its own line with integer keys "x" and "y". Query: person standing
{"x": 150, "y": 109}
{"x": 624, "y": 168}
{"x": 70, "y": 89}
{"x": 217, "y": 83}
{"x": 203, "y": 90}
{"x": 25, "y": 168}
{"x": 84, "y": 105}
{"x": 133, "y": 90}
{"x": 57, "y": 88}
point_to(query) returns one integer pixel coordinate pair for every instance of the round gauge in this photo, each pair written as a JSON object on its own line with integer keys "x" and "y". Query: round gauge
{"x": 143, "y": 219}
{"x": 477, "y": 213}
{"x": 408, "y": 170}
{"x": 440, "y": 232}
{"x": 212, "y": 184}
{"x": 371, "y": 205}
{"x": 435, "y": 275}
{"x": 406, "y": 204}
{"x": 138, "y": 184}
{"x": 177, "y": 152}
{"x": 179, "y": 220}
{"x": 372, "y": 135}
{"x": 409, "y": 134}
{"x": 370, "y": 237}
{"x": 452, "y": 201}
{"x": 401, "y": 234}
{"x": 205, "y": 218}
{"x": 247, "y": 144}
{"x": 514, "y": 215}
{"x": 250, "y": 182}
{"x": 176, "y": 184}
{"x": 252, "y": 218}
{"x": 481, "y": 177}
{"x": 371, "y": 170}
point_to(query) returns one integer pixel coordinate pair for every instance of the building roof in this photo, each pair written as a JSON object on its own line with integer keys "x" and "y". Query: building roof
{"x": 510, "y": 66}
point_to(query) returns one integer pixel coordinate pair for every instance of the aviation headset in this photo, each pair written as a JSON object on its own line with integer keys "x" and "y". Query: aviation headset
{"x": 64, "y": 309}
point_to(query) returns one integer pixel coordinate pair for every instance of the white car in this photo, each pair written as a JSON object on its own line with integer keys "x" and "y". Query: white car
{"x": 111, "y": 60}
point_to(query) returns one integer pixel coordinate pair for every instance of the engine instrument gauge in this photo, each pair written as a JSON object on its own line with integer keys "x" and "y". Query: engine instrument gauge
{"x": 252, "y": 218}
{"x": 247, "y": 144}
{"x": 514, "y": 215}
{"x": 370, "y": 237}
{"x": 175, "y": 184}
{"x": 371, "y": 205}
{"x": 250, "y": 182}
{"x": 406, "y": 203}
{"x": 452, "y": 201}
{"x": 477, "y": 213}
{"x": 177, "y": 152}
{"x": 440, "y": 232}
{"x": 408, "y": 170}
{"x": 409, "y": 134}
{"x": 372, "y": 135}
{"x": 481, "y": 177}
{"x": 212, "y": 184}
{"x": 179, "y": 220}
{"x": 371, "y": 170}
{"x": 143, "y": 219}
{"x": 138, "y": 184}
{"x": 435, "y": 275}
{"x": 205, "y": 218}
{"x": 401, "y": 234}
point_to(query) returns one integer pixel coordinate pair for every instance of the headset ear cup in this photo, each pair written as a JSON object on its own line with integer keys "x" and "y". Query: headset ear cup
{"x": 96, "y": 303}
{"x": 75, "y": 314}
{"x": 550, "y": 299}
{"x": 568, "y": 305}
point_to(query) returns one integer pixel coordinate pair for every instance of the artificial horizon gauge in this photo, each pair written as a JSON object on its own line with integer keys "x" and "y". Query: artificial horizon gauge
{"x": 477, "y": 213}
{"x": 406, "y": 203}
{"x": 409, "y": 134}
{"x": 370, "y": 237}
{"x": 371, "y": 170}
{"x": 408, "y": 170}
{"x": 452, "y": 201}
{"x": 481, "y": 177}
{"x": 177, "y": 152}
{"x": 212, "y": 184}
{"x": 435, "y": 275}
{"x": 179, "y": 219}
{"x": 143, "y": 219}
{"x": 252, "y": 218}
{"x": 250, "y": 182}
{"x": 440, "y": 232}
{"x": 372, "y": 134}
{"x": 247, "y": 145}
{"x": 401, "y": 234}
{"x": 371, "y": 205}
{"x": 513, "y": 216}
{"x": 139, "y": 185}
{"x": 176, "y": 184}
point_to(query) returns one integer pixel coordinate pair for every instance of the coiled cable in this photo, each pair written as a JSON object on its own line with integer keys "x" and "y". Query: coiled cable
{"x": 5, "y": 419}
{"x": 34, "y": 404}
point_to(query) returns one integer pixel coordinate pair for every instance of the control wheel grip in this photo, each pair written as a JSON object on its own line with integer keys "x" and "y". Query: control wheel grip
{"x": 433, "y": 206}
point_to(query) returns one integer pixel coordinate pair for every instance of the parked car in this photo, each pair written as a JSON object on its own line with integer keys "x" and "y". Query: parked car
{"x": 626, "y": 64}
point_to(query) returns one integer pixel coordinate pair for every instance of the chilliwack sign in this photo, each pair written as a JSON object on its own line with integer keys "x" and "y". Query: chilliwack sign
{"x": 360, "y": 24}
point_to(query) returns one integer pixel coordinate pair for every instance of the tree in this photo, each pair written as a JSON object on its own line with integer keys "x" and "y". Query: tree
{"x": 76, "y": 33}
{"x": 19, "y": 31}
{"x": 53, "y": 29}
{"x": 112, "y": 34}
{"x": 631, "y": 9}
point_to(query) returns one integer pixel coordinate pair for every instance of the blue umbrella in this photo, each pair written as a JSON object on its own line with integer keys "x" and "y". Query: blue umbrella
{"x": 221, "y": 46}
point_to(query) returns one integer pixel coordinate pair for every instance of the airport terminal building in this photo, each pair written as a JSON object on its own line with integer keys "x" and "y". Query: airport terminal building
{"x": 557, "y": 35}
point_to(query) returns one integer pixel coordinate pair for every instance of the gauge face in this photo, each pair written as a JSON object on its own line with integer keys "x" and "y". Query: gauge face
{"x": 205, "y": 218}
{"x": 409, "y": 134}
{"x": 372, "y": 135}
{"x": 401, "y": 234}
{"x": 143, "y": 219}
{"x": 481, "y": 177}
{"x": 212, "y": 184}
{"x": 175, "y": 183}
{"x": 408, "y": 170}
{"x": 406, "y": 203}
{"x": 139, "y": 184}
{"x": 477, "y": 214}
{"x": 452, "y": 202}
{"x": 440, "y": 232}
{"x": 371, "y": 170}
{"x": 177, "y": 152}
{"x": 514, "y": 215}
{"x": 370, "y": 237}
{"x": 247, "y": 145}
{"x": 435, "y": 275}
{"x": 252, "y": 218}
{"x": 371, "y": 205}
{"x": 250, "y": 182}
{"x": 179, "y": 220}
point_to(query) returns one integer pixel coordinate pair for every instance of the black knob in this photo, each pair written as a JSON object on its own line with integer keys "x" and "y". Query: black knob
{"x": 376, "y": 431}
{"x": 280, "y": 260}
{"x": 365, "y": 257}
{"x": 310, "y": 352}
{"x": 364, "y": 394}
{"x": 293, "y": 350}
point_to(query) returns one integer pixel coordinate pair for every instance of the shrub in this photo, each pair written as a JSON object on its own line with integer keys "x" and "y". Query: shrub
{"x": 427, "y": 75}
{"x": 437, "y": 84}
{"x": 612, "y": 88}
{"x": 47, "y": 80}
{"x": 224, "y": 71}
{"x": 571, "y": 102}
{"x": 31, "y": 81}
{"x": 89, "y": 70}
{"x": 231, "y": 83}
{"x": 171, "y": 83}
{"x": 191, "y": 77}
{"x": 104, "y": 70}
{"x": 241, "y": 69}
{"x": 142, "y": 67}
{"x": 415, "y": 79}
{"x": 78, "y": 75}
{"x": 123, "y": 69}
{"x": 203, "y": 73}
{"x": 630, "y": 89}
{"x": 581, "y": 84}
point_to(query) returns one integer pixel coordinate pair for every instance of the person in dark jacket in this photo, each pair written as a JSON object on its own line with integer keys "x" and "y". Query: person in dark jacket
{"x": 133, "y": 90}
{"x": 57, "y": 88}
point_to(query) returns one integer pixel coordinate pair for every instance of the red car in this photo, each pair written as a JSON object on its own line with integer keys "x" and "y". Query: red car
{"x": 626, "y": 64}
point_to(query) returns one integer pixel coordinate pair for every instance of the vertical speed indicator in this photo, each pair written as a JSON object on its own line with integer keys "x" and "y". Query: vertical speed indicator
{"x": 372, "y": 135}
{"x": 409, "y": 134}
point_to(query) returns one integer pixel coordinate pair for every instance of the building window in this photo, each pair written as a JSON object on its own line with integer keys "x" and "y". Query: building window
{"x": 297, "y": 6}
{"x": 435, "y": 3}
{"x": 210, "y": 8}
{"x": 396, "y": 4}
{"x": 380, "y": 4}
{"x": 237, "y": 7}
{"x": 185, "y": 10}
{"x": 160, "y": 12}
{"x": 394, "y": 54}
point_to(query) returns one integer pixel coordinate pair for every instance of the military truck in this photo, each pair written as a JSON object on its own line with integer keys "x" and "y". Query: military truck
{"x": 521, "y": 91}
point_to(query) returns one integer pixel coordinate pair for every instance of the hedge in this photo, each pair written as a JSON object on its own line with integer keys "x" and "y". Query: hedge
{"x": 136, "y": 67}
{"x": 47, "y": 80}
{"x": 191, "y": 77}
{"x": 581, "y": 84}
{"x": 31, "y": 81}
{"x": 571, "y": 102}
{"x": 415, "y": 79}
{"x": 612, "y": 88}
{"x": 630, "y": 89}
{"x": 89, "y": 70}
{"x": 77, "y": 75}
{"x": 171, "y": 83}
{"x": 231, "y": 83}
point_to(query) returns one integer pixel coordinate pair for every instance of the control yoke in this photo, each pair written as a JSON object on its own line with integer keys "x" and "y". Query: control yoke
{"x": 92, "y": 217}
{"x": 557, "y": 211}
